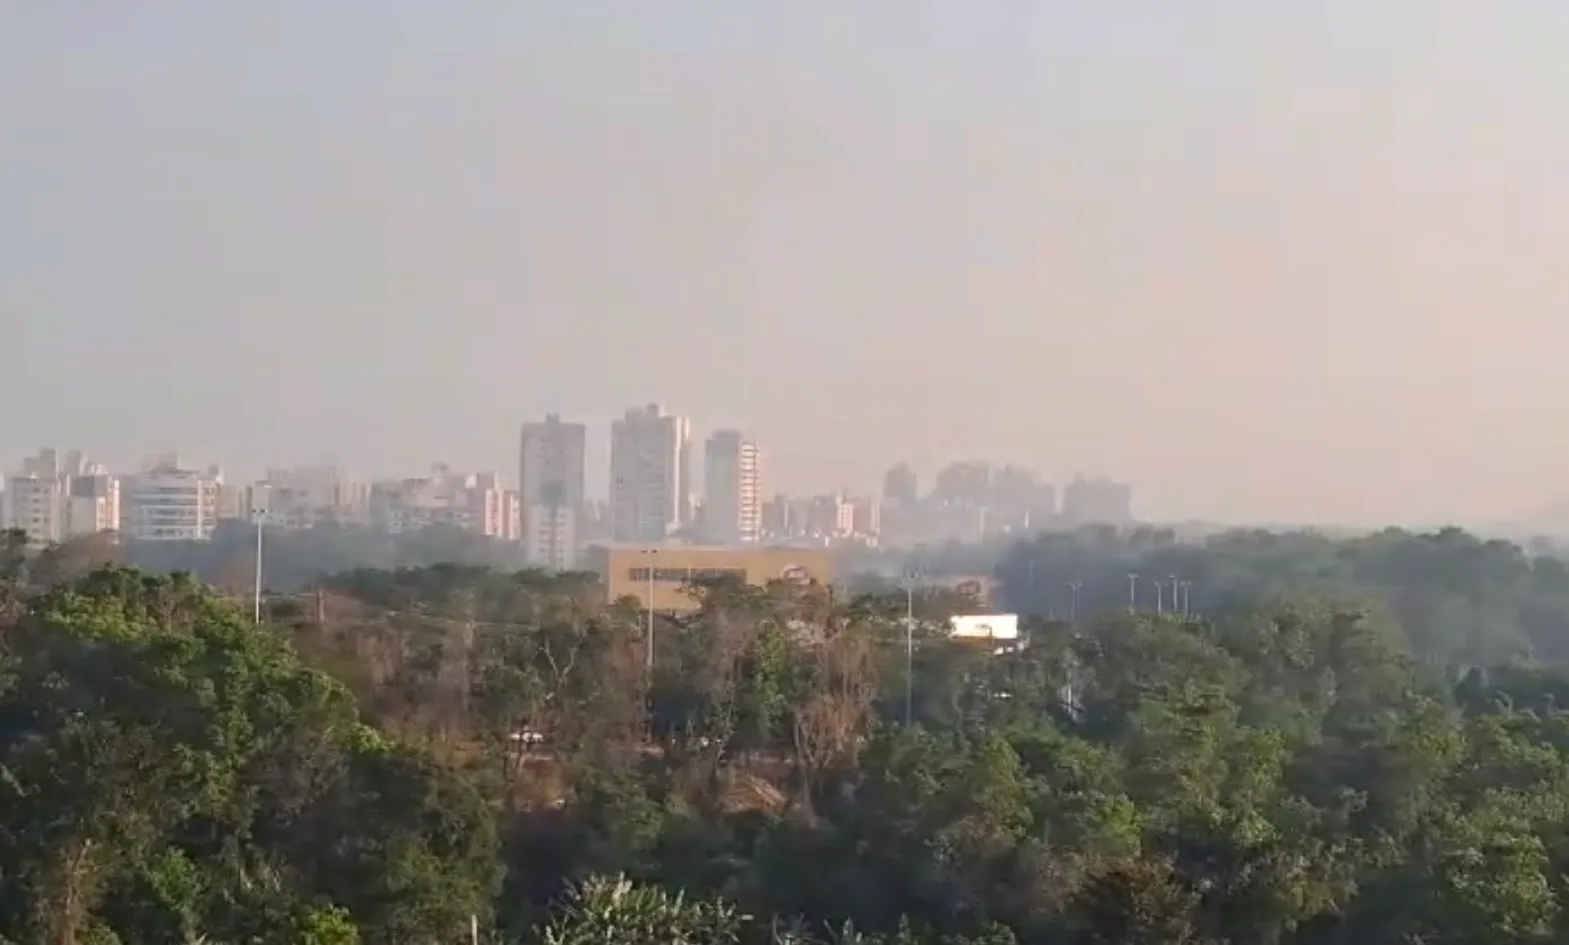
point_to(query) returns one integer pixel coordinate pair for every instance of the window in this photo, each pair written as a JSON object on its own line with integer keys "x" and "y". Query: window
{"x": 683, "y": 575}
{"x": 666, "y": 575}
{"x": 719, "y": 574}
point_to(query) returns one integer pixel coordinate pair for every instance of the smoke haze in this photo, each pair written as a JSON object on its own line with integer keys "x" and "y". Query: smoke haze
{"x": 1265, "y": 261}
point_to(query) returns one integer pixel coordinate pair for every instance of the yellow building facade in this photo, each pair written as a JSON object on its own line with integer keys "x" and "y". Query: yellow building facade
{"x": 664, "y": 574}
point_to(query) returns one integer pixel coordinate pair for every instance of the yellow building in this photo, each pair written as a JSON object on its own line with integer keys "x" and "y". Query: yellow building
{"x": 665, "y": 572}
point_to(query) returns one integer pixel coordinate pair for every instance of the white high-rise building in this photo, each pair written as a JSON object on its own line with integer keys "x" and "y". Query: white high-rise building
{"x": 168, "y": 502}
{"x": 550, "y": 491}
{"x": 732, "y": 489}
{"x": 56, "y": 497}
{"x": 92, "y": 503}
{"x": 291, "y": 499}
{"x": 650, "y": 475}
{"x": 473, "y": 502}
{"x": 33, "y": 504}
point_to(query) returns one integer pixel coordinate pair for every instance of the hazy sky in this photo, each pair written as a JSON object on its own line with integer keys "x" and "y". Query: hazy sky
{"x": 1299, "y": 260}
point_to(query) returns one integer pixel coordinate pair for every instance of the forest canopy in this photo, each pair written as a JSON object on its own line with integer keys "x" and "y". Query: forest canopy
{"x": 1458, "y": 598}
{"x": 1314, "y": 751}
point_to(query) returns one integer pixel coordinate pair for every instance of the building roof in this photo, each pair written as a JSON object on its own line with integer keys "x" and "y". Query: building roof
{"x": 685, "y": 546}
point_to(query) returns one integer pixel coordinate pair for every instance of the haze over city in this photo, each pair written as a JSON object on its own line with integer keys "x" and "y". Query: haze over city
{"x": 1274, "y": 262}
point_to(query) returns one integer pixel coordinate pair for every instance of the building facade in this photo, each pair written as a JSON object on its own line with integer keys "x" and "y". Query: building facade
{"x": 473, "y": 502}
{"x": 663, "y": 576}
{"x": 33, "y": 505}
{"x": 1097, "y": 500}
{"x": 92, "y": 504}
{"x": 169, "y": 502}
{"x": 829, "y": 519}
{"x": 900, "y": 485}
{"x": 650, "y": 475}
{"x": 732, "y": 490}
{"x": 59, "y": 496}
{"x": 292, "y": 499}
{"x": 551, "y": 471}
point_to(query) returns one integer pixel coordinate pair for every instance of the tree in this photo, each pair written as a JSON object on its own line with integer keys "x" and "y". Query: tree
{"x": 166, "y": 767}
{"x": 423, "y": 747}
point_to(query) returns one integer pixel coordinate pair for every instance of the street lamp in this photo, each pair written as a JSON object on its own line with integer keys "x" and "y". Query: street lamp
{"x": 909, "y": 646}
{"x": 651, "y": 552}
{"x": 260, "y": 517}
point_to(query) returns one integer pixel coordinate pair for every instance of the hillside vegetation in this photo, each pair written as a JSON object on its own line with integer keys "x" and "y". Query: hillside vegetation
{"x": 406, "y": 756}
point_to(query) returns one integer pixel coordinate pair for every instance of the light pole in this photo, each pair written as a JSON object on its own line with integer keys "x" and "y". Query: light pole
{"x": 1187, "y": 598}
{"x": 652, "y": 553}
{"x": 1073, "y": 611}
{"x": 909, "y": 647}
{"x": 260, "y": 516}
{"x": 1160, "y": 597}
{"x": 1173, "y": 579}
{"x": 1133, "y": 592}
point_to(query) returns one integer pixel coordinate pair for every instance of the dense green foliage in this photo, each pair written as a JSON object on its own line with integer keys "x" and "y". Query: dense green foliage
{"x": 409, "y": 754}
{"x": 1458, "y": 598}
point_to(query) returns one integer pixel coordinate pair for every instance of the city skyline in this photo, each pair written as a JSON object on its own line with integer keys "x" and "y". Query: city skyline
{"x": 1283, "y": 263}
{"x": 508, "y": 472}
{"x": 596, "y": 460}
{"x": 546, "y": 514}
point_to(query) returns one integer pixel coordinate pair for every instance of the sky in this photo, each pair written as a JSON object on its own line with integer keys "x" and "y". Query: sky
{"x": 1280, "y": 261}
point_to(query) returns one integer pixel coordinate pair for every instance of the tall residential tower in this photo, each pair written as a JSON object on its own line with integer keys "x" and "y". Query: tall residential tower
{"x": 550, "y": 491}
{"x": 650, "y": 475}
{"x": 732, "y": 489}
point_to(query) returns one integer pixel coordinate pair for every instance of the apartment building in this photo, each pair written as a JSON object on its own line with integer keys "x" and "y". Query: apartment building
{"x": 732, "y": 489}
{"x": 650, "y": 475}
{"x": 300, "y": 498}
{"x": 33, "y": 505}
{"x": 827, "y": 519}
{"x": 92, "y": 503}
{"x": 167, "y": 501}
{"x": 58, "y": 496}
{"x": 901, "y": 485}
{"x": 1097, "y": 500}
{"x": 551, "y": 471}
{"x": 474, "y": 502}
{"x": 234, "y": 502}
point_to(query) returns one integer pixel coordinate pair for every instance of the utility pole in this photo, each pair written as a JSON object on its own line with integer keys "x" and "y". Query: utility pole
{"x": 652, "y": 553}
{"x": 1133, "y": 592}
{"x": 909, "y": 647}
{"x": 1160, "y": 597}
{"x": 1173, "y": 579}
{"x": 465, "y": 670}
{"x": 260, "y": 515}
{"x": 1073, "y": 611}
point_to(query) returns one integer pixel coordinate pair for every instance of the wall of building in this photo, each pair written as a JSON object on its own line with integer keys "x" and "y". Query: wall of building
{"x": 551, "y": 471}
{"x": 169, "y": 503}
{"x": 34, "y": 505}
{"x": 732, "y": 489}
{"x": 625, "y": 570}
{"x": 650, "y": 474}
